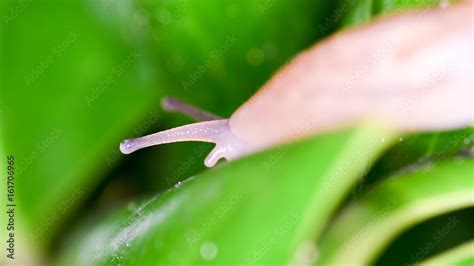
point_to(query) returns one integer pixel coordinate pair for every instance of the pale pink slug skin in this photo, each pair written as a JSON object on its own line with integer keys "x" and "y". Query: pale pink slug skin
{"x": 413, "y": 71}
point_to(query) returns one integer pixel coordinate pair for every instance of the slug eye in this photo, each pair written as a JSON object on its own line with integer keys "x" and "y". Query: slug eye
{"x": 215, "y": 131}
{"x": 126, "y": 146}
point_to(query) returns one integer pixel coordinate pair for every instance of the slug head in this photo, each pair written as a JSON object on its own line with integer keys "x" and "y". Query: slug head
{"x": 228, "y": 146}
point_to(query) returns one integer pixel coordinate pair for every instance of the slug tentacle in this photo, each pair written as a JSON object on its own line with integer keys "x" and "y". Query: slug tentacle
{"x": 361, "y": 82}
{"x": 171, "y": 104}
{"x": 228, "y": 146}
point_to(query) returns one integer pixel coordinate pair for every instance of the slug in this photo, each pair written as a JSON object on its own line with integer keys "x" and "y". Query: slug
{"x": 411, "y": 71}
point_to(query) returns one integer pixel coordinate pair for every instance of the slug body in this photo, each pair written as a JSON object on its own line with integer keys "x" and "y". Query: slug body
{"x": 411, "y": 71}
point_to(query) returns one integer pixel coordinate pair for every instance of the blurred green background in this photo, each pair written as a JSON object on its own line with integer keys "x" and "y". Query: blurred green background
{"x": 77, "y": 77}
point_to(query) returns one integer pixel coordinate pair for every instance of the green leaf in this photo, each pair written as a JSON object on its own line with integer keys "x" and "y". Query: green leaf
{"x": 70, "y": 90}
{"x": 216, "y": 54}
{"x": 388, "y": 6}
{"x": 462, "y": 255}
{"x": 371, "y": 222}
{"x": 261, "y": 209}
{"x": 213, "y": 54}
{"x": 357, "y": 12}
{"x": 418, "y": 150}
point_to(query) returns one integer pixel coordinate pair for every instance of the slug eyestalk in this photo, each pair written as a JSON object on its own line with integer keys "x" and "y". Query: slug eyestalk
{"x": 214, "y": 131}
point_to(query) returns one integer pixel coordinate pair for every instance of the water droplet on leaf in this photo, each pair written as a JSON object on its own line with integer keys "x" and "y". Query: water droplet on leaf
{"x": 209, "y": 250}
